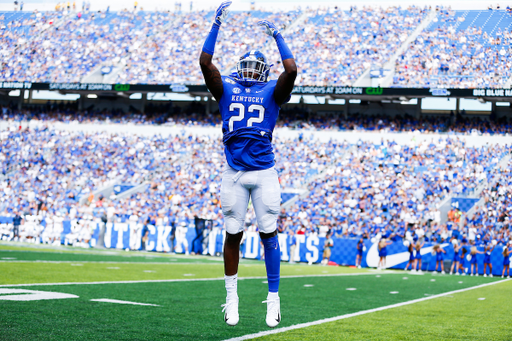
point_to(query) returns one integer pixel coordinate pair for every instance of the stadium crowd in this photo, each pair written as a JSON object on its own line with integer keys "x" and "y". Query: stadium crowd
{"x": 75, "y": 44}
{"x": 383, "y": 189}
{"x": 462, "y": 124}
{"x": 492, "y": 220}
{"x": 293, "y": 118}
{"x": 364, "y": 189}
{"x": 443, "y": 56}
{"x": 333, "y": 47}
{"x": 56, "y": 168}
{"x": 171, "y": 55}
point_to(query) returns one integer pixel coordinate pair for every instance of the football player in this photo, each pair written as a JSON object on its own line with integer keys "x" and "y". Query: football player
{"x": 249, "y": 104}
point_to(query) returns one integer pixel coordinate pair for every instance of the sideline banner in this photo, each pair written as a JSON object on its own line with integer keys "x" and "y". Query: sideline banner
{"x": 309, "y": 249}
{"x": 129, "y": 236}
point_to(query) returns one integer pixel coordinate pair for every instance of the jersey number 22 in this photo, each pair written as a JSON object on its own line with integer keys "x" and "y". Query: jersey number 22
{"x": 241, "y": 114}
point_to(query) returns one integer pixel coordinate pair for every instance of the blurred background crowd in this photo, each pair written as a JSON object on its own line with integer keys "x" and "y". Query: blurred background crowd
{"x": 408, "y": 47}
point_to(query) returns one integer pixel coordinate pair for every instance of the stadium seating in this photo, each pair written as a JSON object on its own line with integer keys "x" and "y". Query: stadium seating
{"x": 172, "y": 55}
{"x": 56, "y": 178}
{"x": 73, "y": 46}
{"x": 294, "y": 118}
{"x": 491, "y": 220}
{"x": 373, "y": 190}
{"x": 460, "y": 49}
{"x": 335, "y": 47}
{"x": 55, "y": 169}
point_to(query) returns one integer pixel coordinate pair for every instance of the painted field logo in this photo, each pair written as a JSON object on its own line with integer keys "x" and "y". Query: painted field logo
{"x": 122, "y": 87}
{"x": 31, "y": 295}
{"x": 374, "y": 91}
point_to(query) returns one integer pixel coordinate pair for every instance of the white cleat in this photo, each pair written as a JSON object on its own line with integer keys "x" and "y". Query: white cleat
{"x": 490, "y": 275}
{"x": 273, "y": 312}
{"x": 485, "y": 275}
{"x": 230, "y": 310}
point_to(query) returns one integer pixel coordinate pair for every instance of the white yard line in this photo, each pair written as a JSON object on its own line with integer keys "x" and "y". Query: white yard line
{"x": 186, "y": 280}
{"x": 108, "y": 300}
{"x": 359, "y": 313}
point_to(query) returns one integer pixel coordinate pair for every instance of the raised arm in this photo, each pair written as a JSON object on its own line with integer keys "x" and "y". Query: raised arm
{"x": 286, "y": 80}
{"x": 211, "y": 74}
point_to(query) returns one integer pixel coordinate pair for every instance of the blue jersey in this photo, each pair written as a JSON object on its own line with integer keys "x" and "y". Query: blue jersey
{"x": 487, "y": 257}
{"x": 360, "y": 249}
{"x": 439, "y": 256}
{"x": 249, "y": 115}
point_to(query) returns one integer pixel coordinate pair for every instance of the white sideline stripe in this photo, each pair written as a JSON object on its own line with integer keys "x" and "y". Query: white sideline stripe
{"x": 108, "y": 300}
{"x": 185, "y": 280}
{"x": 359, "y": 313}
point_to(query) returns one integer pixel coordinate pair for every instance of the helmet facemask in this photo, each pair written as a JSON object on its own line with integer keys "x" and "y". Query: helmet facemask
{"x": 252, "y": 69}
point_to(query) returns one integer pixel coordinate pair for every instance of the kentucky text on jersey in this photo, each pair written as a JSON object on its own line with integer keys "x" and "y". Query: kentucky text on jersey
{"x": 247, "y": 99}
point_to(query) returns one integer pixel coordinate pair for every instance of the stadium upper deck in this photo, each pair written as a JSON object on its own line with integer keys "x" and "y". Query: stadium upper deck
{"x": 460, "y": 49}
{"x": 333, "y": 47}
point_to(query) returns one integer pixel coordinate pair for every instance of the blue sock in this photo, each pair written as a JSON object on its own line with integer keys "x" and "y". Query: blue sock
{"x": 272, "y": 262}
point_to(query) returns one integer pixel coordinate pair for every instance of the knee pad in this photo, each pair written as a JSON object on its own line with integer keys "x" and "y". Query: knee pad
{"x": 268, "y": 223}
{"x": 232, "y": 224}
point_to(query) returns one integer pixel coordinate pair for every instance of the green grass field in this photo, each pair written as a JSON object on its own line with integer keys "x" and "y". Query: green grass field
{"x": 185, "y": 293}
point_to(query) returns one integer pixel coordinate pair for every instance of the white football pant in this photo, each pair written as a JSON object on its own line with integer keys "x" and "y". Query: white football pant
{"x": 262, "y": 187}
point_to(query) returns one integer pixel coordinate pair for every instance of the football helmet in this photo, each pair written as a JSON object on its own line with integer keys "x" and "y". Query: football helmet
{"x": 253, "y": 67}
